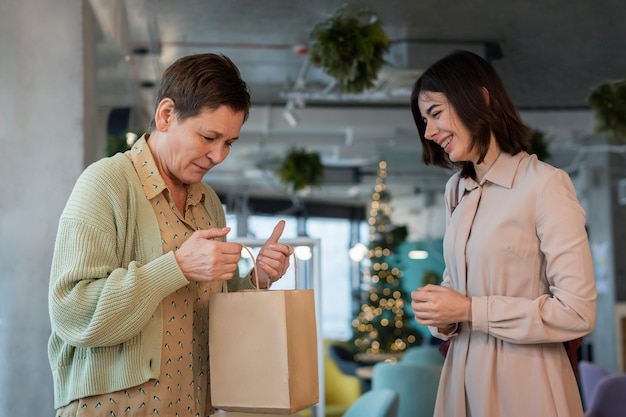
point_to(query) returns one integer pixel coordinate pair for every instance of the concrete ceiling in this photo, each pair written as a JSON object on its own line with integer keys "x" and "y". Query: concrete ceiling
{"x": 553, "y": 53}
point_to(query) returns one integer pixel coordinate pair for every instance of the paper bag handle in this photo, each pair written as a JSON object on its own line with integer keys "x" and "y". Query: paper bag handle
{"x": 256, "y": 276}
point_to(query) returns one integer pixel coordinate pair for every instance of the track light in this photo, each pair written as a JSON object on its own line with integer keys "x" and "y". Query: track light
{"x": 290, "y": 114}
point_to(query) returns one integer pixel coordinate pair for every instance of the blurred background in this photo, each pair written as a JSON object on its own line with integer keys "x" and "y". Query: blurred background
{"x": 79, "y": 75}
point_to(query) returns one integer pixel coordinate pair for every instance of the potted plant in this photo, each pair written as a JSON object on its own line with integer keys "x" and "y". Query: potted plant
{"x": 301, "y": 168}
{"x": 608, "y": 100}
{"x": 350, "y": 48}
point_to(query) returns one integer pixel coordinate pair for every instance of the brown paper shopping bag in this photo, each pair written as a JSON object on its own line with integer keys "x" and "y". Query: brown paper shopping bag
{"x": 263, "y": 351}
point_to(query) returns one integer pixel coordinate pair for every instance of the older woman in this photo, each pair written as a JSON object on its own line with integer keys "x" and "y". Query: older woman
{"x": 141, "y": 245}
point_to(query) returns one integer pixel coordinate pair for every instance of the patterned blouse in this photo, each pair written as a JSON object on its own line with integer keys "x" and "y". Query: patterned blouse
{"x": 182, "y": 388}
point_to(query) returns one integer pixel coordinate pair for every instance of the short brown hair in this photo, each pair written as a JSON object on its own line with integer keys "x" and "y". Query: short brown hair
{"x": 203, "y": 81}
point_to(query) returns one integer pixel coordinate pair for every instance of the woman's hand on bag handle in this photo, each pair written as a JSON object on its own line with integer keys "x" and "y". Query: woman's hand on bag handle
{"x": 441, "y": 307}
{"x": 201, "y": 258}
{"x": 273, "y": 258}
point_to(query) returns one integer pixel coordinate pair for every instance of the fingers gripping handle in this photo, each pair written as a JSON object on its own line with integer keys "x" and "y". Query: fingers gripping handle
{"x": 255, "y": 276}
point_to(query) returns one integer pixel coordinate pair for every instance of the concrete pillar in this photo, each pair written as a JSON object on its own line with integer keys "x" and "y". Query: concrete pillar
{"x": 604, "y": 166}
{"x": 47, "y": 113}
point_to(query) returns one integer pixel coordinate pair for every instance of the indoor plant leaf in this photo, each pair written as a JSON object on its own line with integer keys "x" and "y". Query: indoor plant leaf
{"x": 350, "y": 48}
{"x": 301, "y": 168}
{"x": 608, "y": 100}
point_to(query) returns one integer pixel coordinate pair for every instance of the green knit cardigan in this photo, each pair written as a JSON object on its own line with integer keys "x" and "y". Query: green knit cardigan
{"x": 108, "y": 278}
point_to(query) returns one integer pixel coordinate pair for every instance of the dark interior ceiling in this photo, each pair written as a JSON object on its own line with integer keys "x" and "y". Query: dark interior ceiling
{"x": 553, "y": 53}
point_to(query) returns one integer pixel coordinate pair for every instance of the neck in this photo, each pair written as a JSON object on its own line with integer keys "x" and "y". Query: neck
{"x": 156, "y": 146}
{"x": 491, "y": 156}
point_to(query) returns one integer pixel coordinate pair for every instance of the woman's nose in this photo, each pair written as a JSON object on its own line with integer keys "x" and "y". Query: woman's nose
{"x": 431, "y": 131}
{"x": 217, "y": 154}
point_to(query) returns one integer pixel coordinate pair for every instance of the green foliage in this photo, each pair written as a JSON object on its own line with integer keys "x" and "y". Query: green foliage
{"x": 538, "y": 145}
{"x": 394, "y": 237}
{"x": 608, "y": 100}
{"x": 350, "y": 48}
{"x": 115, "y": 144}
{"x": 382, "y": 324}
{"x": 430, "y": 277}
{"x": 300, "y": 169}
{"x": 387, "y": 235}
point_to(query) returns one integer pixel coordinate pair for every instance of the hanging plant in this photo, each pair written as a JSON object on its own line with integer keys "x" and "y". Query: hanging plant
{"x": 350, "y": 48}
{"x": 608, "y": 100}
{"x": 301, "y": 168}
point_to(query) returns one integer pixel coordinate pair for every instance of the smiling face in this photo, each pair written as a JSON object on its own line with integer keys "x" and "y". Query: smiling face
{"x": 185, "y": 150}
{"x": 444, "y": 127}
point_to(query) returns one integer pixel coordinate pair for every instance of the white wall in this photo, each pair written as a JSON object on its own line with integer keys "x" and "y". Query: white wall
{"x": 44, "y": 72}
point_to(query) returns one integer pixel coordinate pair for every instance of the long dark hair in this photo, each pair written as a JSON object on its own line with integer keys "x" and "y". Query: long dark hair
{"x": 462, "y": 77}
{"x": 203, "y": 81}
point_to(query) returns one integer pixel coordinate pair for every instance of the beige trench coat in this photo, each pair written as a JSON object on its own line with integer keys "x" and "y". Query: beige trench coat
{"x": 516, "y": 244}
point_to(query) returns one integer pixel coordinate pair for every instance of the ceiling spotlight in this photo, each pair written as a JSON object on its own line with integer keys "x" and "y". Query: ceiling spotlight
{"x": 290, "y": 114}
{"x": 418, "y": 254}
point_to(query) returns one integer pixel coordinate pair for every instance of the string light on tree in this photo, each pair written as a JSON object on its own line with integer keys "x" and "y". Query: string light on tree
{"x": 381, "y": 325}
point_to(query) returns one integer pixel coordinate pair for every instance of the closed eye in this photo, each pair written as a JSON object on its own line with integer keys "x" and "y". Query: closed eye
{"x": 434, "y": 115}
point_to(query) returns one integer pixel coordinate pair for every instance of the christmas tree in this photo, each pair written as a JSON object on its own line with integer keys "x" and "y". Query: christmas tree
{"x": 382, "y": 324}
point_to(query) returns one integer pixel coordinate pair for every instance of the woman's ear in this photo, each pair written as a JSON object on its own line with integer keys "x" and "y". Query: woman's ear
{"x": 486, "y": 95}
{"x": 164, "y": 115}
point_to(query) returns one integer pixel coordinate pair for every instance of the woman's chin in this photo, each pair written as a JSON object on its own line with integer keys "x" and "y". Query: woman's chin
{"x": 452, "y": 158}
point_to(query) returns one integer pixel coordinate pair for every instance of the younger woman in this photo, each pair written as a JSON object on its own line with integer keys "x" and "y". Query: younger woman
{"x": 518, "y": 278}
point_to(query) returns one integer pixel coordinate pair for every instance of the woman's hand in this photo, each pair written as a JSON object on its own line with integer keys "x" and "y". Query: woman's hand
{"x": 273, "y": 258}
{"x": 441, "y": 307}
{"x": 201, "y": 258}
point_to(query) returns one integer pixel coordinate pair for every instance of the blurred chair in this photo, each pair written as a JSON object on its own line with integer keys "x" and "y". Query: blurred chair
{"x": 427, "y": 354}
{"x": 590, "y": 376}
{"x": 416, "y": 385}
{"x": 344, "y": 359}
{"x": 609, "y": 399}
{"x": 342, "y": 356}
{"x": 375, "y": 403}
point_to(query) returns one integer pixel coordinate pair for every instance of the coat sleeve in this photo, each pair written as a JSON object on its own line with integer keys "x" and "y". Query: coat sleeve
{"x": 567, "y": 310}
{"x": 103, "y": 291}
